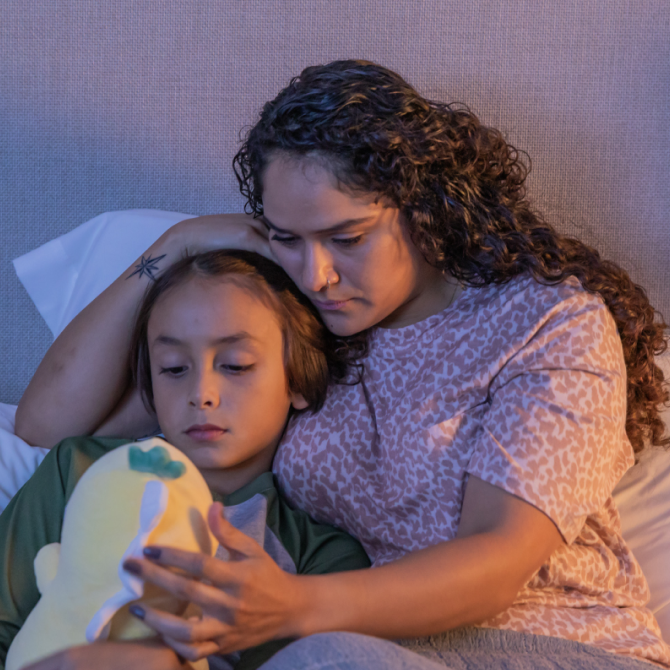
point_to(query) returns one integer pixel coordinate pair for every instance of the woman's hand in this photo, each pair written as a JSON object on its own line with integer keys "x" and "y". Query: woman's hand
{"x": 244, "y": 601}
{"x": 145, "y": 655}
{"x": 502, "y": 542}
{"x": 220, "y": 231}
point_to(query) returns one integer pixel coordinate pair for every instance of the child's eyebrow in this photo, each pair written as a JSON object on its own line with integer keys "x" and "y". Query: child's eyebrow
{"x": 228, "y": 339}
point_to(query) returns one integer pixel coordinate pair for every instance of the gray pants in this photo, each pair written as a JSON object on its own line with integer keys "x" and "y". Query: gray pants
{"x": 463, "y": 649}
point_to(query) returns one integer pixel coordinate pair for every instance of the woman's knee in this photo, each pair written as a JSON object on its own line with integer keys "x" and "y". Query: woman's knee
{"x": 346, "y": 651}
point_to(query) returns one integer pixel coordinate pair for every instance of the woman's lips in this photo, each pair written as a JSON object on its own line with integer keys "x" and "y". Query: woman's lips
{"x": 330, "y": 305}
{"x": 206, "y": 432}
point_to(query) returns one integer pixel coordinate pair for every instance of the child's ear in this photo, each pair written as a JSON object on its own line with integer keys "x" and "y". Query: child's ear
{"x": 298, "y": 401}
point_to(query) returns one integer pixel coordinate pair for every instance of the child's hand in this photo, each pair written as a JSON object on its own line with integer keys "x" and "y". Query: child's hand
{"x": 244, "y": 601}
{"x": 146, "y": 655}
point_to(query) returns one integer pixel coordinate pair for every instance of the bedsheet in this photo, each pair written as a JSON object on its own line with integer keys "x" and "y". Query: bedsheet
{"x": 18, "y": 460}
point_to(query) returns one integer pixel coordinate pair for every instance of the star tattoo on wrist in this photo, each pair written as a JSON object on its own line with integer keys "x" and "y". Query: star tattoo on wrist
{"x": 146, "y": 267}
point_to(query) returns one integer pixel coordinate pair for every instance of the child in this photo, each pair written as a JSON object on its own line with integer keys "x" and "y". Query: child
{"x": 224, "y": 349}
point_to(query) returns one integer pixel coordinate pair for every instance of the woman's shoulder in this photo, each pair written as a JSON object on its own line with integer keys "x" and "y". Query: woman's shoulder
{"x": 513, "y": 311}
{"x": 553, "y": 326}
{"x": 530, "y": 296}
{"x": 85, "y": 449}
{"x": 521, "y": 308}
{"x": 71, "y": 457}
{"x": 549, "y": 317}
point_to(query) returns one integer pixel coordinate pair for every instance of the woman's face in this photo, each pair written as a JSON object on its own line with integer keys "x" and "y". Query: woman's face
{"x": 350, "y": 254}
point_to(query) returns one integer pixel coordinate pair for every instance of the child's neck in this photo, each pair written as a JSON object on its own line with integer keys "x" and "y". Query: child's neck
{"x": 228, "y": 480}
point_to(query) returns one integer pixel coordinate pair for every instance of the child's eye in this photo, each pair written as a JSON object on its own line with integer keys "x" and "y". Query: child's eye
{"x": 237, "y": 369}
{"x": 174, "y": 371}
{"x": 348, "y": 241}
{"x": 286, "y": 240}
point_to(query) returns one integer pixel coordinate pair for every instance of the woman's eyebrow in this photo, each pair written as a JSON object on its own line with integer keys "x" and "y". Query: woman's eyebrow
{"x": 337, "y": 228}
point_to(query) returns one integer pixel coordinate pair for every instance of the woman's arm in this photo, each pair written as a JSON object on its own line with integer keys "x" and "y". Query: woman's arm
{"x": 502, "y": 542}
{"x": 130, "y": 418}
{"x": 85, "y": 373}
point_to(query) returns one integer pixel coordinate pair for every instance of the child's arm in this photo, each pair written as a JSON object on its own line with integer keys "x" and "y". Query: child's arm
{"x": 136, "y": 655}
{"x": 33, "y": 519}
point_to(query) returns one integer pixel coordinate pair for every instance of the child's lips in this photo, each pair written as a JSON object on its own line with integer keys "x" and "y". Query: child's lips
{"x": 206, "y": 432}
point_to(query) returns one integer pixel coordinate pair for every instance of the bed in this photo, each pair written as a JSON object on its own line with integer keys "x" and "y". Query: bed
{"x": 128, "y": 105}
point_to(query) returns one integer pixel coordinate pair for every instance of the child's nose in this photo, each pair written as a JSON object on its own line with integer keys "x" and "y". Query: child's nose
{"x": 205, "y": 393}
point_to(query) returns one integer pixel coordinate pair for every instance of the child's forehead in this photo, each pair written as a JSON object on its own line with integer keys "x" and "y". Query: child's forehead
{"x": 219, "y": 290}
{"x": 232, "y": 299}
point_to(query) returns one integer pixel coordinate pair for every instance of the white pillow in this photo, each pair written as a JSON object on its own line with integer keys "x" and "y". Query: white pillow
{"x": 18, "y": 460}
{"x": 65, "y": 274}
{"x": 643, "y": 499}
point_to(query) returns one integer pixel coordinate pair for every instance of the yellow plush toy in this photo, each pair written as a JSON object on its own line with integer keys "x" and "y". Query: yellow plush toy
{"x": 139, "y": 494}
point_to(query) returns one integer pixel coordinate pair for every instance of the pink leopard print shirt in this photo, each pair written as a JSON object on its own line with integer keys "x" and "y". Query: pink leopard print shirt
{"x": 522, "y": 385}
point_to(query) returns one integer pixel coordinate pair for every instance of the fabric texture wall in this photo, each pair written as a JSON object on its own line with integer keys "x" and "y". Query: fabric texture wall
{"x": 140, "y": 103}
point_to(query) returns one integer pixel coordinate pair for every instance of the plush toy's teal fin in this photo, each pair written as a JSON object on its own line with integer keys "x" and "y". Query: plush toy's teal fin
{"x": 157, "y": 461}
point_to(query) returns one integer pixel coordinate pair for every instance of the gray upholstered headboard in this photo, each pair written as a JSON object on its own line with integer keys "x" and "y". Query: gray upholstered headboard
{"x": 139, "y": 103}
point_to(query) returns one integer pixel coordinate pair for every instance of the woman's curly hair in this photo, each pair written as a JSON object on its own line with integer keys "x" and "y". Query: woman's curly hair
{"x": 461, "y": 189}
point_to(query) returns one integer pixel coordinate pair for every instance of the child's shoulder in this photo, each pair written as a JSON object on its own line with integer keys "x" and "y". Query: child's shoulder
{"x": 72, "y": 456}
{"x": 94, "y": 447}
{"x": 295, "y": 541}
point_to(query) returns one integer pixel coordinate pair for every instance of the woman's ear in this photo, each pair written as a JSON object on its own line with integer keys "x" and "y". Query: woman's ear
{"x": 298, "y": 401}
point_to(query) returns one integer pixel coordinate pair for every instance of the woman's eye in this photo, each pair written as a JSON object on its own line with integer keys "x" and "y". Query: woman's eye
{"x": 173, "y": 371}
{"x": 286, "y": 240}
{"x": 348, "y": 241}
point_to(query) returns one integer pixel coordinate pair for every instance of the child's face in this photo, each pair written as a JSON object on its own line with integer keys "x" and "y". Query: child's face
{"x": 217, "y": 369}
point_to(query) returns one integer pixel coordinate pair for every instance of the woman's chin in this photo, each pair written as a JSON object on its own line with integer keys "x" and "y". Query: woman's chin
{"x": 345, "y": 325}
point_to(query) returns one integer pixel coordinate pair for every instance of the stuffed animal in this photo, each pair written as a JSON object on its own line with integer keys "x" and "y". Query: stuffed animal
{"x": 138, "y": 494}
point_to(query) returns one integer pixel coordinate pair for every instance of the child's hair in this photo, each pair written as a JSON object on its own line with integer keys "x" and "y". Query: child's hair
{"x": 310, "y": 359}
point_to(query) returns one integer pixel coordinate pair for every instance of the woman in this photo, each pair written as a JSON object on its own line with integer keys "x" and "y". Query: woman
{"x": 475, "y": 448}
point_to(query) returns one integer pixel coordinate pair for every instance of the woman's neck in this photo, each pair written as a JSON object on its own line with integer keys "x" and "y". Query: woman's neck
{"x": 432, "y": 298}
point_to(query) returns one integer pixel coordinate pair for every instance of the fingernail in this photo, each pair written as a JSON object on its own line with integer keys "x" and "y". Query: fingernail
{"x": 132, "y": 567}
{"x": 137, "y": 611}
{"x": 152, "y": 552}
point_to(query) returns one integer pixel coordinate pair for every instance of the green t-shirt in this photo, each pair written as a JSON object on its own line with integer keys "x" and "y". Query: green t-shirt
{"x": 34, "y": 518}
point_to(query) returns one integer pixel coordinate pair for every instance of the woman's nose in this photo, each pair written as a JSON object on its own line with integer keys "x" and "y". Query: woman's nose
{"x": 317, "y": 264}
{"x": 204, "y": 393}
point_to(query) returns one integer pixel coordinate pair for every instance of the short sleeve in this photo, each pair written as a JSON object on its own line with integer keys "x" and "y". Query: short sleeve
{"x": 554, "y": 431}
{"x": 328, "y": 549}
{"x": 316, "y": 548}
